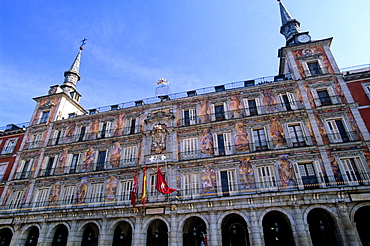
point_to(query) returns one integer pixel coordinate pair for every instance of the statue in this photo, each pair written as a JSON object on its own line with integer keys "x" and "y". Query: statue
{"x": 159, "y": 139}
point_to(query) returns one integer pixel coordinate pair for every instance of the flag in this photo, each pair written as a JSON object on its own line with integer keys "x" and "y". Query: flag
{"x": 134, "y": 191}
{"x": 161, "y": 184}
{"x": 143, "y": 196}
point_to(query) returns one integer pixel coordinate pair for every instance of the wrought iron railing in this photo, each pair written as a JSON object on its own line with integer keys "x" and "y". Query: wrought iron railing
{"x": 247, "y": 188}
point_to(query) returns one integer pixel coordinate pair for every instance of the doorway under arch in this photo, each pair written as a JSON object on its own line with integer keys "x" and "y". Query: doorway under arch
{"x": 60, "y": 236}
{"x": 234, "y": 231}
{"x": 194, "y": 232}
{"x": 5, "y": 236}
{"x": 157, "y": 233}
{"x": 122, "y": 235}
{"x": 362, "y": 218}
{"x": 32, "y": 237}
{"x": 277, "y": 229}
{"x": 90, "y": 236}
{"x": 322, "y": 227}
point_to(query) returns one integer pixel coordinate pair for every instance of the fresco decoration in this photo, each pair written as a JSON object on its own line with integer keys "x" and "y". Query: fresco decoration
{"x": 354, "y": 127}
{"x": 110, "y": 189}
{"x": 286, "y": 171}
{"x": 246, "y": 175}
{"x": 62, "y": 162}
{"x": 338, "y": 91}
{"x": 321, "y": 127}
{"x": 70, "y": 133}
{"x": 277, "y": 133}
{"x": 323, "y": 170}
{"x": 204, "y": 113}
{"x": 209, "y": 179}
{"x": 299, "y": 96}
{"x": 178, "y": 177}
{"x": 119, "y": 127}
{"x": 6, "y": 197}
{"x": 115, "y": 155}
{"x": 236, "y": 107}
{"x": 87, "y": 164}
{"x": 241, "y": 138}
{"x": 269, "y": 101}
{"x": 82, "y": 190}
{"x": 94, "y": 129}
{"x": 206, "y": 144}
{"x": 310, "y": 96}
{"x": 310, "y": 131}
{"x": 367, "y": 156}
{"x": 55, "y": 193}
{"x": 25, "y": 194}
{"x": 159, "y": 139}
{"x": 335, "y": 167}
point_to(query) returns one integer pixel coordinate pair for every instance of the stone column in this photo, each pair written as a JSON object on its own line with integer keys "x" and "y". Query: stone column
{"x": 213, "y": 236}
{"x": 139, "y": 235}
{"x": 302, "y": 231}
{"x": 348, "y": 228}
{"x": 255, "y": 231}
{"x": 43, "y": 239}
{"x": 17, "y": 236}
{"x": 103, "y": 239}
{"x": 74, "y": 239}
{"x": 174, "y": 239}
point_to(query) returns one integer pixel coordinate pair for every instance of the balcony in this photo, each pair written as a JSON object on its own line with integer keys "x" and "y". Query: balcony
{"x": 22, "y": 175}
{"x": 33, "y": 145}
{"x": 7, "y": 150}
{"x": 344, "y": 137}
{"x": 247, "y": 189}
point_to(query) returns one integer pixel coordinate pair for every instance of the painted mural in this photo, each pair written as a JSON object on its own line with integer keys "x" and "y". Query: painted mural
{"x": 6, "y": 197}
{"x": 354, "y": 127}
{"x": 115, "y": 155}
{"x": 209, "y": 179}
{"x": 246, "y": 175}
{"x": 206, "y": 144}
{"x": 55, "y": 193}
{"x": 82, "y": 190}
{"x": 286, "y": 171}
{"x": 269, "y": 101}
{"x": 94, "y": 129}
{"x": 110, "y": 189}
{"x": 367, "y": 156}
{"x": 62, "y": 162}
{"x": 334, "y": 165}
{"x": 119, "y": 127}
{"x": 159, "y": 139}
{"x": 241, "y": 138}
{"x": 70, "y": 133}
{"x": 277, "y": 134}
{"x": 204, "y": 112}
{"x": 87, "y": 164}
{"x": 236, "y": 107}
{"x": 321, "y": 127}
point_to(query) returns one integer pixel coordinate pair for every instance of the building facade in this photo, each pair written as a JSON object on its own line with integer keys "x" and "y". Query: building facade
{"x": 10, "y": 141}
{"x": 274, "y": 161}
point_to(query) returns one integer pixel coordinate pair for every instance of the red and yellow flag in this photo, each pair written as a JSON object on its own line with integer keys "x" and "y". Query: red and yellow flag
{"x": 143, "y": 196}
{"x": 161, "y": 184}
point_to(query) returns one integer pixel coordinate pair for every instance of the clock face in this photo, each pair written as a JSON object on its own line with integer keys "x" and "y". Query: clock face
{"x": 304, "y": 38}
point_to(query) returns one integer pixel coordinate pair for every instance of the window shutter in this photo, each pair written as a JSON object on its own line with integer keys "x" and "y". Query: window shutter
{"x": 297, "y": 174}
{"x": 213, "y": 115}
{"x": 316, "y": 97}
{"x": 215, "y": 144}
{"x": 246, "y": 106}
{"x": 334, "y": 131}
{"x": 332, "y": 95}
{"x": 292, "y": 101}
{"x": 193, "y": 116}
{"x": 258, "y": 104}
{"x": 227, "y": 143}
{"x": 231, "y": 180}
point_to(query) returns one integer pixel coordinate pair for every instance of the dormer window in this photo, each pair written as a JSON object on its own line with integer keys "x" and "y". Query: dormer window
{"x": 314, "y": 68}
{"x": 45, "y": 116}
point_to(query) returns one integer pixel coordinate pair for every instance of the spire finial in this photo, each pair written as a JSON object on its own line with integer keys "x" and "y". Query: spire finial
{"x": 289, "y": 26}
{"x": 83, "y": 42}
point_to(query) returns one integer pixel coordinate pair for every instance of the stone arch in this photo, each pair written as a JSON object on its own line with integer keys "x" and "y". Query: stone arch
{"x": 238, "y": 212}
{"x": 115, "y": 222}
{"x": 194, "y": 231}
{"x": 323, "y": 227}
{"x": 234, "y": 230}
{"x": 283, "y": 211}
{"x": 6, "y": 235}
{"x": 181, "y": 222}
{"x": 121, "y": 233}
{"x": 330, "y": 210}
{"x": 157, "y": 231}
{"x": 361, "y": 218}
{"x": 278, "y": 227}
{"x": 60, "y": 235}
{"x": 354, "y": 209}
{"x": 88, "y": 233}
{"x": 54, "y": 227}
{"x": 30, "y": 235}
{"x": 148, "y": 221}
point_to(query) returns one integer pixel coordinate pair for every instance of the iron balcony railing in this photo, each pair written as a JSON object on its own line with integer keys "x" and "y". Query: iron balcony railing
{"x": 7, "y": 150}
{"x": 33, "y": 145}
{"x": 247, "y": 188}
{"x": 329, "y": 100}
{"x": 23, "y": 175}
{"x": 81, "y": 167}
{"x": 344, "y": 137}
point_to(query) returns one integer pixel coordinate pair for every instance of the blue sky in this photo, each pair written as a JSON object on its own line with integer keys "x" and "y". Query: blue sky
{"x": 133, "y": 43}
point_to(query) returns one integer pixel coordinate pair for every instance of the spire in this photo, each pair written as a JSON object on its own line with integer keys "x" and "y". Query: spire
{"x": 72, "y": 76}
{"x": 289, "y": 26}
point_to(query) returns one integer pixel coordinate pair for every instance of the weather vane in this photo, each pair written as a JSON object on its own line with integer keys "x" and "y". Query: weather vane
{"x": 83, "y": 42}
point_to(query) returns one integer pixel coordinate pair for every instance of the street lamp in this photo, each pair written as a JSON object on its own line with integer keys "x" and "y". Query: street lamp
{"x": 59, "y": 238}
{"x": 233, "y": 229}
{"x": 122, "y": 236}
{"x": 195, "y": 236}
{"x": 156, "y": 234}
{"x": 89, "y": 237}
{"x": 321, "y": 226}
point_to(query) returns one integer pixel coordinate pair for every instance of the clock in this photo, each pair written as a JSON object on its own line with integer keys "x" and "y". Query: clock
{"x": 304, "y": 38}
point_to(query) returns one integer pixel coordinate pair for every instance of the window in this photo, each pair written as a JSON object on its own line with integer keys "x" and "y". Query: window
{"x": 41, "y": 198}
{"x": 227, "y": 179}
{"x": 50, "y": 165}
{"x": 324, "y": 96}
{"x": 259, "y": 139}
{"x": 3, "y": 167}
{"x": 124, "y": 189}
{"x": 74, "y": 163}
{"x": 9, "y": 146}
{"x": 101, "y": 160}
{"x": 16, "y": 199}
{"x": 308, "y": 175}
{"x": 68, "y": 195}
{"x": 81, "y": 135}
{"x": 266, "y": 178}
{"x": 58, "y": 137}
{"x": 297, "y": 137}
{"x": 288, "y": 102}
{"x": 314, "y": 68}
{"x": 105, "y": 129}
{"x": 44, "y": 116}
{"x": 252, "y": 106}
{"x": 218, "y": 112}
{"x": 336, "y": 131}
{"x": 189, "y": 117}
{"x": 189, "y": 148}
{"x": 25, "y": 170}
{"x": 130, "y": 154}
{"x": 191, "y": 186}
{"x": 95, "y": 193}
{"x": 354, "y": 173}
{"x": 151, "y": 185}
{"x": 132, "y": 126}
{"x": 222, "y": 143}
